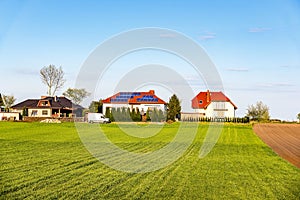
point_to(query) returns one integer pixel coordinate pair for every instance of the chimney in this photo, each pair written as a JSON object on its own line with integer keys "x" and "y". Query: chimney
{"x": 44, "y": 97}
{"x": 151, "y": 92}
{"x": 208, "y": 96}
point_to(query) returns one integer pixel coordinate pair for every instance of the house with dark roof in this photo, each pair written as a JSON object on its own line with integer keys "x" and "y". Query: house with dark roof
{"x": 213, "y": 104}
{"x": 142, "y": 100}
{"x": 48, "y": 106}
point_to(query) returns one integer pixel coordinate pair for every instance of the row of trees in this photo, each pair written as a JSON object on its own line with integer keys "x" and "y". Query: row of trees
{"x": 125, "y": 115}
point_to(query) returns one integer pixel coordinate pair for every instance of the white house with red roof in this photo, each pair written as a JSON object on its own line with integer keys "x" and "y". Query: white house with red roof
{"x": 132, "y": 100}
{"x": 213, "y": 104}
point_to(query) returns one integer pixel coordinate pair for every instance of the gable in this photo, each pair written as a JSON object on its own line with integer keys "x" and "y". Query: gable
{"x": 204, "y": 99}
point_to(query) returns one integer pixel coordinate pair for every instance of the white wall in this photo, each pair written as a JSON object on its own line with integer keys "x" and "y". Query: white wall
{"x": 145, "y": 107}
{"x": 134, "y": 106}
{"x": 109, "y": 105}
{"x": 39, "y": 112}
{"x": 218, "y": 109}
{"x": 9, "y": 114}
{"x": 200, "y": 110}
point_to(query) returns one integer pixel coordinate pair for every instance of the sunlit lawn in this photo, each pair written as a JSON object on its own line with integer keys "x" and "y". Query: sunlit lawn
{"x": 49, "y": 161}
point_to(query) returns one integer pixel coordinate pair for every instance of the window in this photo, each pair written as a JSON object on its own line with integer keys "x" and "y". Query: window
{"x": 34, "y": 113}
{"x": 44, "y": 103}
{"x": 45, "y": 112}
{"x": 200, "y": 101}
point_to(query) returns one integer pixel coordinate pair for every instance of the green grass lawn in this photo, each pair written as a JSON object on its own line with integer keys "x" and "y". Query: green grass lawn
{"x": 49, "y": 161}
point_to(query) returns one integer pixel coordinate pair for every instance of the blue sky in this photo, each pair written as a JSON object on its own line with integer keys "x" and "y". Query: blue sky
{"x": 255, "y": 45}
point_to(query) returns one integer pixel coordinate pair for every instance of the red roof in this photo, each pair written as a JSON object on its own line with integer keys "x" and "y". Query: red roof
{"x": 134, "y": 98}
{"x": 203, "y": 99}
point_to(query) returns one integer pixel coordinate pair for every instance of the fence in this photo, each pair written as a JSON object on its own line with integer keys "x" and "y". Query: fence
{"x": 62, "y": 119}
{"x": 214, "y": 119}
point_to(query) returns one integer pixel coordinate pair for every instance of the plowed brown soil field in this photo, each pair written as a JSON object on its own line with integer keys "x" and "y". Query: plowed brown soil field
{"x": 284, "y": 139}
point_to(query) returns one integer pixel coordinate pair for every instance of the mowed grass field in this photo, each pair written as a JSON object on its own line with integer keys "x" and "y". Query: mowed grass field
{"x": 49, "y": 161}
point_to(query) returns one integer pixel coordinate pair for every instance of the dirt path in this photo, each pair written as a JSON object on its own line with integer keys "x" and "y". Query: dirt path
{"x": 284, "y": 139}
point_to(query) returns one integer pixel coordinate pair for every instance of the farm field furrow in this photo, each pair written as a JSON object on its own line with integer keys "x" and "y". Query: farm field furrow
{"x": 49, "y": 161}
{"x": 284, "y": 139}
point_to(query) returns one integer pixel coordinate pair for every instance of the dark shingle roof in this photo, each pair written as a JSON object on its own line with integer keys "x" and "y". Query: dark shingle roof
{"x": 29, "y": 103}
{"x": 55, "y": 102}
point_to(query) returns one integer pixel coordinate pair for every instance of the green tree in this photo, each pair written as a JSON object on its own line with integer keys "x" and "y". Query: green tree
{"x": 157, "y": 115}
{"x": 53, "y": 77}
{"x": 154, "y": 115}
{"x": 8, "y": 101}
{"x": 128, "y": 115}
{"x": 135, "y": 115}
{"x": 96, "y": 106}
{"x": 173, "y": 108}
{"x": 25, "y": 111}
{"x": 117, "y": 114}
{"x": 258, "y": 112}
{"x": 148, "y": 115}
{"x": 76, "y": 95}
{"x": 161, "y": 116}
{"x": 1, "y": 100}
{"x": 123, "y": 114}
{"x": 298, "y": 117}
{"x": 107, "y": 112}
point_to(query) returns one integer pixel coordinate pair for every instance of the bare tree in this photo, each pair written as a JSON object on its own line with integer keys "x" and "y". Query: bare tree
{"x": 8, "y": 101}
{"x": 53, "y": 77}
{"x": 76, "y": 95}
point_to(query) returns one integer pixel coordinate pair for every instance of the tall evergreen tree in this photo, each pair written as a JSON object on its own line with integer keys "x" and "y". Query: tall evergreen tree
{"x": 173, "y": 108}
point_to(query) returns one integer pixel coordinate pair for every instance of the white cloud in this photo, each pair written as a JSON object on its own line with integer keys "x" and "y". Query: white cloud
{"x": 206, "y": 35}
{"x": 238, "y": 69}
{"x": 288, "y": 67}
{"x": 167, "y": 35}
{"x": 280, "y": 84}
{"x": 28, "y": 71}
{"x": 258, "y": 29}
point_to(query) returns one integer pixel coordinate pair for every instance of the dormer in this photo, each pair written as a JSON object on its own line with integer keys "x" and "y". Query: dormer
{"x": 44, "y": 103}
